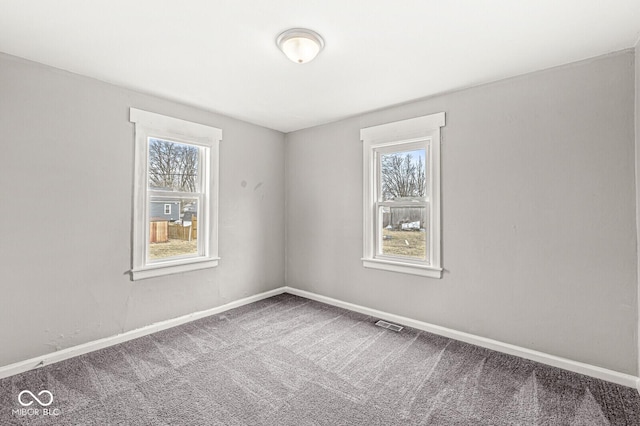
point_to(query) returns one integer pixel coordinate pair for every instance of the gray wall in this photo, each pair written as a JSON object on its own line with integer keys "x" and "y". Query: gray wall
{"x": 539, "y": 222}
{"x": 67, "y": 145}
{"x": 637, "y": 68}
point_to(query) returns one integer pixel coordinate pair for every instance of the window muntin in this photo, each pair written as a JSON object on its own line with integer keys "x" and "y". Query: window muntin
{"x": 402, "y": 196}
{"x": 176, "y": 195}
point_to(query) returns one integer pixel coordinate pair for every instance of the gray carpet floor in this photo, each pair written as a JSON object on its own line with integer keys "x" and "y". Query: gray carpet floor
{"x": 287, "y": 360}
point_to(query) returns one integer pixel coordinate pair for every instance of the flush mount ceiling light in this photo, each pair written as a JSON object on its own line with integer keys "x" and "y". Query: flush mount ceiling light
{"x": 300, "y": 45}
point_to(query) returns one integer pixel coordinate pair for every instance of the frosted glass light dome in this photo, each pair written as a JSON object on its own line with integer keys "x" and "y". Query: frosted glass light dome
{"x": 300, "y": 45}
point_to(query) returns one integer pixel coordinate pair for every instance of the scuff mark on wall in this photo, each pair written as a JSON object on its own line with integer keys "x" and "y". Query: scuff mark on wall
{"x": 127, "y": 307}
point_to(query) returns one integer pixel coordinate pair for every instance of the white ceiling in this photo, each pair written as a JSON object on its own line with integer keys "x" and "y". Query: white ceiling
{"x": 220, "y": 55}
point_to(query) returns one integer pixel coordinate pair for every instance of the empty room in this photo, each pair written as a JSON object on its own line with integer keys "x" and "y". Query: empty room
{"x": 319, "y": 212}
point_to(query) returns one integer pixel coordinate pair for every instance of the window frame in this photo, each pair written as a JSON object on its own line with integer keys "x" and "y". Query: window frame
{"x": 206, "y": 138}
{"x": 404, "y": 135}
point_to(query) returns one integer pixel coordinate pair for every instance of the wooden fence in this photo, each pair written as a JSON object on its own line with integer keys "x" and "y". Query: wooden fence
{"x": 184, "y": 233}
{"x": 162, "y": 231}
{"x": 158, "y": 231}
{"x": 403, "y": 215}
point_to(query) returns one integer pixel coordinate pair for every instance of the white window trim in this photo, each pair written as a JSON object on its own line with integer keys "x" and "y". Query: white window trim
{"x": 426, "y": 128}
{"x": 148, "y": 124}
{"x": 167, "y": 211}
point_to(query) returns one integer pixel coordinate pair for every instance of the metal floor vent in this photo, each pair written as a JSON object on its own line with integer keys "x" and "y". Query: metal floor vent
{"x": 388, "y": 325}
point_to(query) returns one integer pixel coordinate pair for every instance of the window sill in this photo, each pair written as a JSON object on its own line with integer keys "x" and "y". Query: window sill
{"x": 162, "y": 269}
{"x": 405, "y": 268}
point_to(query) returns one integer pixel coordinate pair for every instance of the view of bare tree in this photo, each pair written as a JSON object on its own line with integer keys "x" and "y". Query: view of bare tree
{"x": 173, "y": 166}
{"x": 402, "y": 176}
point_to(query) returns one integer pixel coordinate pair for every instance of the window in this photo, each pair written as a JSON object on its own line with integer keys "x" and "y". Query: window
{"x": 175, "y": 227}
{"x": 402, "y": 196}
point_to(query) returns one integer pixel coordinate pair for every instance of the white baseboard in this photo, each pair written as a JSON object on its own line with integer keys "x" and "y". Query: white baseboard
{"x": 541, "y": 357}
{"x": 555, "y": 361}
{"x": 51, "y": 358}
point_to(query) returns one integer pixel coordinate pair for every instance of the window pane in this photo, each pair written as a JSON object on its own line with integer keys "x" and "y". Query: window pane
{"x": 403, "y": 231}
{"x": 173, "y": 166}
{"x": 174, "y": 234}
{"x": 403, "y": 175}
